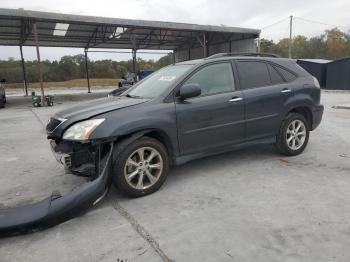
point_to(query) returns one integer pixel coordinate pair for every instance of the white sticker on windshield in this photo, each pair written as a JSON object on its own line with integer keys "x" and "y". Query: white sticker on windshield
{"x": 167, "y": 78}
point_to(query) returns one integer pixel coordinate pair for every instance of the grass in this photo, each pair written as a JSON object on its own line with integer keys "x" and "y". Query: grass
{"x": 70, "y": 83}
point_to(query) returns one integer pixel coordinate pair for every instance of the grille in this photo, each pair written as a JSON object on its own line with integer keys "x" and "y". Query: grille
{"x": 53, "y": 123}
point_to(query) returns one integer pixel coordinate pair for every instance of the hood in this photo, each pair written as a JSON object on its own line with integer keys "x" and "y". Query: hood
{"x": 61, "y": 120}
{"x": 97, "y": 107}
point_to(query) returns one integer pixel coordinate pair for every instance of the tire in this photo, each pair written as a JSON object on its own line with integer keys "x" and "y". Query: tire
{"x": 2, "y": 103}
{"x": 293, "y": 135}
{"x": 120, "y": 84}
{"x": 132, "y": 152}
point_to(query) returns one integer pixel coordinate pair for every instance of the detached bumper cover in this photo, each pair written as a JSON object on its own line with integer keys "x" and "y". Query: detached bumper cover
{"x": 56, "y": 208}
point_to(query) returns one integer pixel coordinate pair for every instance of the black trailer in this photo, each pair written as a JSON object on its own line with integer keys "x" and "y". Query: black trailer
{"x": 317, "y": 68}
{"x": 338, "y": 74}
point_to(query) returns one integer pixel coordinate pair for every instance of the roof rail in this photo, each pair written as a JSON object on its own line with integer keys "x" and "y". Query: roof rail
{"x": 244, "y": 54}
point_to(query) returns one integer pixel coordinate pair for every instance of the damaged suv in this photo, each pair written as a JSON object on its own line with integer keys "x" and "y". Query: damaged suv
{"x": 185, "y": 111}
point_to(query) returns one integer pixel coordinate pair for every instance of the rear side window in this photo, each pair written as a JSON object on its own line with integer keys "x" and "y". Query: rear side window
{"x": 253, "y": 74}
{"x": 288, "y": 76}
{"x": 276, "y": 77}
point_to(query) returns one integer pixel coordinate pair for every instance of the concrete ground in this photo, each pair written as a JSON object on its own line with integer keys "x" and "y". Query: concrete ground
{"x": 248, "y": 205}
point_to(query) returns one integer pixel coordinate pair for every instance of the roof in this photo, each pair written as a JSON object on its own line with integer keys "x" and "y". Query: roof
{"x": 345, "y": 59}
{"x": 318, "y": 61}
{"x": 238, "y": 57}
{"x": 66, "y": 30}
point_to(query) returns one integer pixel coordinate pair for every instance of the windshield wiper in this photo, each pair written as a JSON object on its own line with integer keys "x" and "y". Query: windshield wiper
{"x": 132, "y": 96}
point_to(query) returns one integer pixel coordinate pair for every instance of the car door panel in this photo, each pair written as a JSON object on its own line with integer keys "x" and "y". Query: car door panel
{"x": 210, "y": 121}
{"x": 216, "y": 117}
{"x": 263, "y": 108}
{"x": 264, "y": 100}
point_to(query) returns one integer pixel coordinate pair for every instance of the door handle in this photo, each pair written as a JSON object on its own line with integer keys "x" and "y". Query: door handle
{"x": 235, "y": 99}
{"x": 286, "y": 90}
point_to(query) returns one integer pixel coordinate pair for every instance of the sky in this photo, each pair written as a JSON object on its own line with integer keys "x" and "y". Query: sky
{"x": 248, "y": 13}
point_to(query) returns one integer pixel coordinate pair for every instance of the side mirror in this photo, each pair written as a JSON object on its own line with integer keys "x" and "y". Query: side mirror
{"x": 190, "y": 90}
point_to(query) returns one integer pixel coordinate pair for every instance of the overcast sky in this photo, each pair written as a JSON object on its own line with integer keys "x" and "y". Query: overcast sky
{"x": 247, "y": 13}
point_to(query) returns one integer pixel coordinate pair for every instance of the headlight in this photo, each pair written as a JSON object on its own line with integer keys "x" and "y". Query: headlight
{"x": 82, "y": 130}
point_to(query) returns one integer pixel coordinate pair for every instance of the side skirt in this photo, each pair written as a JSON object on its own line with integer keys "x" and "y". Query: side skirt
{"x": 180, "y": 160}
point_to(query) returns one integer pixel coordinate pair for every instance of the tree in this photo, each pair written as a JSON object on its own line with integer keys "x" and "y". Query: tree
{"x": 336, "y": 44}
{"x": 282, "y": 47}
{"x": 300, "y": 47}
{"x": 316, "y": 47}
{"x": 266, "y": 46}
{"x": 68, "y": 68}
{"x": 164, "y": 61}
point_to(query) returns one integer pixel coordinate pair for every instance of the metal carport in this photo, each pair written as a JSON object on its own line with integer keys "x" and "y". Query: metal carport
{"x": 20, "y": 27}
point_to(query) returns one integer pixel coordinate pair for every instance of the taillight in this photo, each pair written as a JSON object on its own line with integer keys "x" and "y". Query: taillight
{"x": 317, "y": 84}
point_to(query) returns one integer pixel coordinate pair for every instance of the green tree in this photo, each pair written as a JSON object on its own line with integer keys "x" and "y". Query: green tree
{"x": 267, "y": 46}
{"x": 164, "y": 61}
{"x": 336, "y": 44}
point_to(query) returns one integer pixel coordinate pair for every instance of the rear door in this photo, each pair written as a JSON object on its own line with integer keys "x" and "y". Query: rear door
{"x": 216, "y": 117}
{"x": 265, "y": 91}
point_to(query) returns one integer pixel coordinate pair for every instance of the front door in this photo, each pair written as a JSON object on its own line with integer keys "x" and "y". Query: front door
{"x": 216, "y": 117}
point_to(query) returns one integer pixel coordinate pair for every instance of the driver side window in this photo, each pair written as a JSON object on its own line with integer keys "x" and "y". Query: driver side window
{"x": 213, "y": 79}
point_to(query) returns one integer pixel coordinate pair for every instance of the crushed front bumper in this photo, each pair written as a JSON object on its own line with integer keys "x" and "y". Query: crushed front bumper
{"x": 56, "y": 208}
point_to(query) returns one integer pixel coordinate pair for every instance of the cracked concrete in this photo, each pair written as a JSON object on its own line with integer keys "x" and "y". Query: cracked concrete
{"x": 248, "y": 205}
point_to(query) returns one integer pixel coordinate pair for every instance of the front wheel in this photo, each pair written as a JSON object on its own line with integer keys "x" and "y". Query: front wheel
{"x": 141, "y": 167}
{"x": 293, "y": 135}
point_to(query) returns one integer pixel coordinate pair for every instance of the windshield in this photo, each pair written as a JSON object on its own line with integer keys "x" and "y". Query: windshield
{"x": 158, "y": 82}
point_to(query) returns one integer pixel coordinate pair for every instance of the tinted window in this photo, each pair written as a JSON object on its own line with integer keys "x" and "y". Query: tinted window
{"x": 288, "y": 76}
{"x": 253, "y": 74}
{"x": 276, "y": 77}
{"x": 215, "y": 78}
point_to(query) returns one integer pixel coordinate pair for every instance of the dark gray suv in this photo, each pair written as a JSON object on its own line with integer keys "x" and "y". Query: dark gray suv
{"x": 186, "y": 111}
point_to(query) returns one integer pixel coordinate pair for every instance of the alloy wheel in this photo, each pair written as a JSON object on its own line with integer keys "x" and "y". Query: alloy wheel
{"x": 296, "y": 134}
{"x": 143, "y": 168}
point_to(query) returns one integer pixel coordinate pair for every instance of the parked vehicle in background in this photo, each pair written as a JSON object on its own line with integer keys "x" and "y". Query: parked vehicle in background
{"x": 2, "y": 93}
{"x": 141, "y": 74}
{"x": 128, "y": 80}
{"x": 186, "y": 111}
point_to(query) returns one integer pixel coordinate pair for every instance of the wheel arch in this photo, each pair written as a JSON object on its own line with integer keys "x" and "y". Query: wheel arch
{"x": 155, "y": 133}
{"x": 304, "y": 111}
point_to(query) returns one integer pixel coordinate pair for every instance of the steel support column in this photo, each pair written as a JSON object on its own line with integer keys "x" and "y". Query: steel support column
{"x": 24, "y": 71}
{"x": 134, "y": 60}
{"x": 87, "y": 70}
{"x": 205, "y": 48}
{"x": 36, "y": 36}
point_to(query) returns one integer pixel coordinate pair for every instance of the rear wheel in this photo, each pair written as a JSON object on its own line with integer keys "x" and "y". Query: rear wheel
{"x": 141, "y": 167}
{"x": 293, "y": 135}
